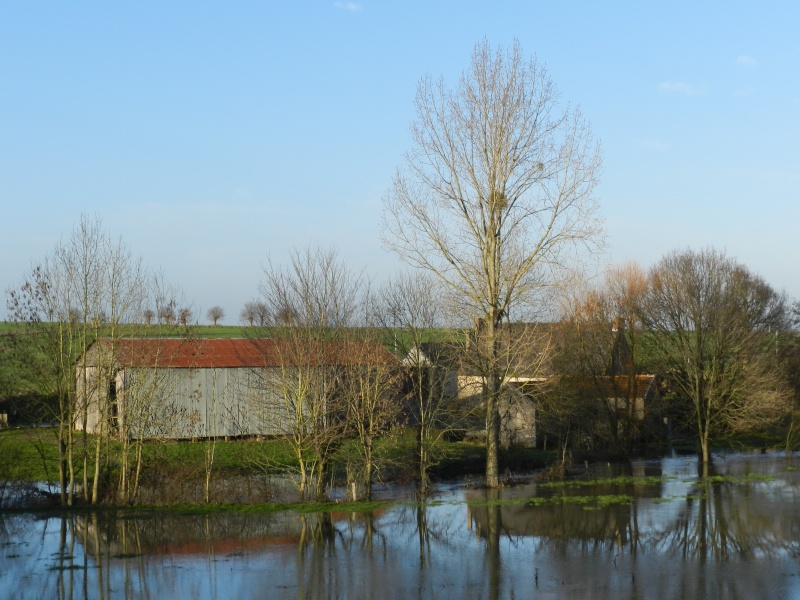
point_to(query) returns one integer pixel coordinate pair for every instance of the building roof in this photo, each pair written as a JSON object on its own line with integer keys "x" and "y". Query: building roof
{"x": 614, "y": 386}
{"x": 441, "y": 354}
{"x": 239, "y": 352}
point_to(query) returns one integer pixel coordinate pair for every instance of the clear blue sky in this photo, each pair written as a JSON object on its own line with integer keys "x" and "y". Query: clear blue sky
{"x": 211, "y": 135}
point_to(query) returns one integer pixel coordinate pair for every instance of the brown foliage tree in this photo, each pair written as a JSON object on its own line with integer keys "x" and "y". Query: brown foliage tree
{"x": 714, "y": 325}
{"x": 599, "y": 354}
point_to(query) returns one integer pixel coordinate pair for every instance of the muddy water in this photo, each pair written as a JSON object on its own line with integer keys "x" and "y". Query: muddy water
{"x": 643, "y": 530}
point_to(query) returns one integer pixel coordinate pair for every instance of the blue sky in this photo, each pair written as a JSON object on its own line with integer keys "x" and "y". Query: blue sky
{"x": 212, "y": 135}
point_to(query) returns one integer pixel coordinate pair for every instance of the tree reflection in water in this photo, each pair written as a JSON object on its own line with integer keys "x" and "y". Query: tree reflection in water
{"x": 683, "y": 536}
{"x": 719, "y": 522}
{"x": 723, "y": 518}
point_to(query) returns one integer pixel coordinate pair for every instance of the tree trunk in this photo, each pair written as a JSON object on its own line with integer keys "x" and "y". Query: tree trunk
{"x": 134, "y": 485}
{"x": 422, "y": 473}
{"x": 96, "y": 479}
{"x": 319, "y": 482}
{"x": 70, "y": 466}
{"x": 492, "y": 434}
{"x": 368, "y": 470}
{"x": 492, "y": 393}
{"x": 122, "y": 491}
{"x": 704, "y": 447}
{"x": 62, "y": 470}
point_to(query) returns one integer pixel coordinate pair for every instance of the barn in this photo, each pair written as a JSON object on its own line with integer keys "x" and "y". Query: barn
{"x": 174, "y": 388}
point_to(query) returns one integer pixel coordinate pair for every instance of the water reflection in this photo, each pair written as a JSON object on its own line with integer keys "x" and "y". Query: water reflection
{"x": 723, "y": 519}
{"x": 568, "y": 525}
{"x": 682, "y": 536}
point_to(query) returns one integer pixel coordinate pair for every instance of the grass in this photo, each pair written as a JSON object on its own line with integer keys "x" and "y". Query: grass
{"x": 28, "y": 455}
{"x": 741, "y": 479}
{"x": 588, "y": 502}
{"x": 400, "y": 337}
{"x": 7, "y": 327}
{"x": 31, "y": 455}
{"x": 652, "y": 481}
{"x": 622, "y": 480}
{"x": 224, "y": 331}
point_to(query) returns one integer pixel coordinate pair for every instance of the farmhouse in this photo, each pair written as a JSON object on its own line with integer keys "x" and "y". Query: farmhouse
{"x": 459, "y": 378}
{"x": 627, "y": 395}
{"x": 527, "y": 375}
{"x": 183, "y": 388}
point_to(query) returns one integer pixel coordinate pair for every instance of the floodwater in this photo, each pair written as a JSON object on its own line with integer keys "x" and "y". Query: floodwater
{"x": 650, "y": 529}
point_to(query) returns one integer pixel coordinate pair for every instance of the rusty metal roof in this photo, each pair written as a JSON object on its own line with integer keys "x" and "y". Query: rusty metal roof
{"x": 242, "y": 352}
{"x": 614, "y": 386}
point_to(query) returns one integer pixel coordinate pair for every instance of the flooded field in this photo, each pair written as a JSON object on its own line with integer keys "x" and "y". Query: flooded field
{"x": 651, "y": 529}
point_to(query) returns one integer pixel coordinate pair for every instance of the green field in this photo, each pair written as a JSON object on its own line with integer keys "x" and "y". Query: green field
{"x": 206, "y": 331}
{"x": 238, "y": 331}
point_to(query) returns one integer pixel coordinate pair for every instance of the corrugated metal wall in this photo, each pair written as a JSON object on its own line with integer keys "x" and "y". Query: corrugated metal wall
{"x": 188, "y": 403}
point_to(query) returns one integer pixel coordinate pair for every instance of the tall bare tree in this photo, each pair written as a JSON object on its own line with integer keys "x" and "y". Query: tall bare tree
{"x": 714, "y": 325}
{"x": 496, "y": 198}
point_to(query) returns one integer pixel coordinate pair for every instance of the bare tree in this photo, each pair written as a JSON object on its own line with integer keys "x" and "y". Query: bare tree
{"x": 255, "y": 312}
{"x": 149, "y": 314}
{"x": 412, "y": 307}
{"x": 248, "y": 314}
{"x": 112, "y": 404}
{"x": 261, "y": 312}
{"x": 214, "y": 314}
{"x": 496, "y": 199}
{"x": 323, "y": 295}
{"x": 370, "y": 390}
{"x": 86, "y": 276}
{"x": 166, "y": 313}
{"x": 39, "y": 303}
{"x": 184, "y": 316}
{"x": 714, "y": 325}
